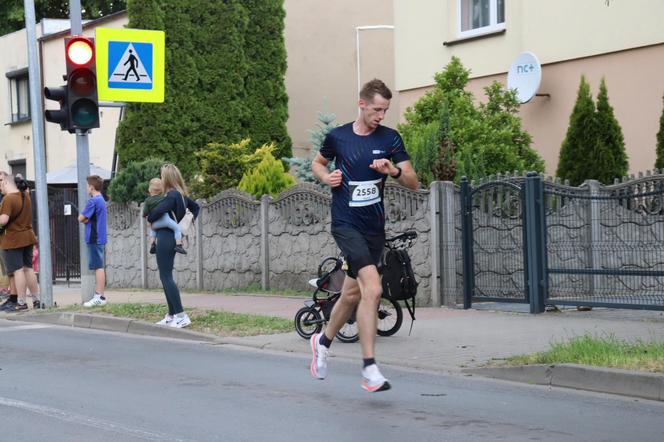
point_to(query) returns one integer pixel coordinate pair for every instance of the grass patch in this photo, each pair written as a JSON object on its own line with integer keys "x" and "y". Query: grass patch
{"x": 215, "y": 322}
{"x": 600, "y": 351}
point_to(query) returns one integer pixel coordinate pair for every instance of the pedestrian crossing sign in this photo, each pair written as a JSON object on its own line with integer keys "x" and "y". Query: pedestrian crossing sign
{"x": 130, "y": 65}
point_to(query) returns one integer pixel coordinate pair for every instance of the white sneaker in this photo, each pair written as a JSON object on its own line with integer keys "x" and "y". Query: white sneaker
{"x": 96, "y": 301}
{"x": 373, "y": 380}
{"x": 167, "y": 320}
{"x": 319, "y": 357}
{"x": 180, "y": 321}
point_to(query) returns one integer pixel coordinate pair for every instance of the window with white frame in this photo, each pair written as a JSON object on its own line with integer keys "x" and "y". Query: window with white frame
{"x": 478, "y": 17}
{"x": 19, "y": 95}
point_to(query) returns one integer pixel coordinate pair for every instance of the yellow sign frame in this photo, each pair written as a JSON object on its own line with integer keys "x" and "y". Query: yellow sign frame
{"x": 158, "y": 40}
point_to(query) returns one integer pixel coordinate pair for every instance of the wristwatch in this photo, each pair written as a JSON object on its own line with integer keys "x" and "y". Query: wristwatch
{"x": 396, "y": 177}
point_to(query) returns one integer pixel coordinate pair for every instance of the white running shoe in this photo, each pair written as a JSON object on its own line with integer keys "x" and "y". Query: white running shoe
{"x": 180, "y": 321}
{"x": 372, "y": 380}
{"x": 96, "y": 301}
{"x": 319, "y": 357}
{"x": 167, "y": 320}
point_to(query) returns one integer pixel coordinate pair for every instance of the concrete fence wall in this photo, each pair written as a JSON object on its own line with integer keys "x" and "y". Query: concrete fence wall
{"x": 278, "y": 243}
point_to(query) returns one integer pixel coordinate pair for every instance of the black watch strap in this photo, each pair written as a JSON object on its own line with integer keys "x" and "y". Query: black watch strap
{"x": 396, "y": 177}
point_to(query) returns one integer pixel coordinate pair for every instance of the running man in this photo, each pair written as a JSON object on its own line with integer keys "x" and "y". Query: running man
{"x": 365, "y": 153}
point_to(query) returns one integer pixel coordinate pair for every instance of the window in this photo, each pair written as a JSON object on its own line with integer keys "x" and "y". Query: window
{"x": 18, "y": 166}
{"x": 19, "y": 95}
{"x": 480, "y": 16}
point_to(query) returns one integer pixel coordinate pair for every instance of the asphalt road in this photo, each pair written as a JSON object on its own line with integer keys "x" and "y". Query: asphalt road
{"x": 64, "y": 384}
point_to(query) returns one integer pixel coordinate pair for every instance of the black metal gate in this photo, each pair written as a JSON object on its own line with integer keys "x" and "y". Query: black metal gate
{"x": 64, "y": 233}
{"x": 494, "y": 241}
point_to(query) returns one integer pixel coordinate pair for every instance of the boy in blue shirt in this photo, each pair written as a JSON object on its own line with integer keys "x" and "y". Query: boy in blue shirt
{"x": 94, "y": 218}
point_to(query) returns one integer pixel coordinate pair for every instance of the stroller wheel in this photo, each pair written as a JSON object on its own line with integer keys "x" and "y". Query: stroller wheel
{"x": 308, "y": 322}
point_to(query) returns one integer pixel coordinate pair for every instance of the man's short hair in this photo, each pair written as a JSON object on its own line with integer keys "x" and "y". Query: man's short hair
{"x": 373, "y": 87}
{"x": 96, "y": 182}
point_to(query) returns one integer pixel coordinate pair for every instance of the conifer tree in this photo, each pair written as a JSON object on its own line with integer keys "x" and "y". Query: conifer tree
{"x": 221, "y": 167}
{"x": 611, "y": 137}
{"x": 317, "y": 136}
{"x": 226, "y": 62}
{"x": 580, "y": 150}
{"x": 204, "y": 83}
{"x": 131, "y": 183}
{"x": 659, "y": 162}
{"x": 264, "y": 83}
{"x": 267, "y": 177}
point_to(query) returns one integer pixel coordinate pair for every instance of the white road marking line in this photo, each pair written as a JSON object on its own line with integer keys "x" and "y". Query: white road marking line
{"x": 87, "y": 421}
{"x": 24, "y": 327}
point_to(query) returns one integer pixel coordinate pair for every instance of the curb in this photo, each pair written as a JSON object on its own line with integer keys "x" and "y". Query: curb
{"x": 582, "y": 377}
{"x": 110, "y": 323}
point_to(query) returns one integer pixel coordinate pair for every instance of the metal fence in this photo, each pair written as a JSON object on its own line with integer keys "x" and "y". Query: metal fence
{"x": 605, "y": 244}
{"x": 528, "y": 240}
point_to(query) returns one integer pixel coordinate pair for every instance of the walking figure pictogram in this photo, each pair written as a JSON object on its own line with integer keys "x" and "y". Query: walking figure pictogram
{"x": 133, "y": 63}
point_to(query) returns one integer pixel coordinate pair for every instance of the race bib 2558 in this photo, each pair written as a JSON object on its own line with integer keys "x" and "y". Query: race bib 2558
{"x": 364, "y": 193}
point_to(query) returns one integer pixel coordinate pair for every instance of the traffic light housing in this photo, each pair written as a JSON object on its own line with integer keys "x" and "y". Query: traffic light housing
{"x": 81, "y": 99}
{"x": 79, "y": 105}
{"x": 60, "y": 116}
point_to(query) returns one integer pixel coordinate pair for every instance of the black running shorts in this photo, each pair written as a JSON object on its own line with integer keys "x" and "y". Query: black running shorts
{"x": 359, "y": 250}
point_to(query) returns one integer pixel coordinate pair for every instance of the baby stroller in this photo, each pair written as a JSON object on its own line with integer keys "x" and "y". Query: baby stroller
{"x": 316, "y": 311}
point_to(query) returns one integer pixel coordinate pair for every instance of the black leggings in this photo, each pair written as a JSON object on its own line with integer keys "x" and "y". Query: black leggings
{"x": 165, "y": 259}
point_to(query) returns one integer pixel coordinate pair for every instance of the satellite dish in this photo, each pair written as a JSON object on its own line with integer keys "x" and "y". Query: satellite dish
{"x": 525, "y": 75}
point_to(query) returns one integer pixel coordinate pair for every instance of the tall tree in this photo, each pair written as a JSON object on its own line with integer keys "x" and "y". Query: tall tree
{"x": 580, "y": 149}
{"x": 12, "y": 16}
{"x": 659, "y": 162}
{"x": 266, "y": 62}
{"x": 224, "y": 80}
{"x": 204, "y": 99}
{"x": 610, "y": 135}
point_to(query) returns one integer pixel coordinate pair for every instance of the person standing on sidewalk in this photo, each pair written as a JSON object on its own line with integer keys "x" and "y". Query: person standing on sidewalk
{"x": 94, "y": 218}
{"x": 365, "y": 153}
{"x": 175, "y": 204}
{"x": 17, "y": 239}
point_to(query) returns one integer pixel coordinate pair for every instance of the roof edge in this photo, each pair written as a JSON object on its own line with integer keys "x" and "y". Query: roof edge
{"x": 90, "y": 24}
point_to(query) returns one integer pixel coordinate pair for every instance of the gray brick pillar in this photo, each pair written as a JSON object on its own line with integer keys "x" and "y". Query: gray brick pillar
{"x": 435, "y": 248}
{"x": 448, "y": 243}
{"x": 265, "y": 241}
{"x": 142, "y": 232}
{"x": 199, "y": 248}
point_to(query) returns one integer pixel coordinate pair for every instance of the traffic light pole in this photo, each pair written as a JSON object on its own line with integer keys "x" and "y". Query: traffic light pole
{"x": 37, "y": 117}
{"x": 83, "y": 170}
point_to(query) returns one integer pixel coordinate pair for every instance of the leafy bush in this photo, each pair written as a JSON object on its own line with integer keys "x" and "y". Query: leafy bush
{"x": 131, "y": 183}
{"x": 265, "y": 174}
{"x": 221, "y": 165}
{"x": 472, "y": 140}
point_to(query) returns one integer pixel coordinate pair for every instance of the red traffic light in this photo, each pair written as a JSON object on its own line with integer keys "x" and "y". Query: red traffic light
{"x": 80, "y": 50}
{"x": 82, "y": 102}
